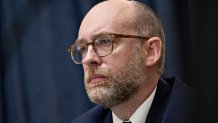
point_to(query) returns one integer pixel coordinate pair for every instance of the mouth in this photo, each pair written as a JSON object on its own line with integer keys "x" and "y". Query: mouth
{"x": 96, "y": 78}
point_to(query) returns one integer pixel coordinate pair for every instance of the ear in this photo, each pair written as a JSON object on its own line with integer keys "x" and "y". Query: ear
{"x": 152, "y": 50}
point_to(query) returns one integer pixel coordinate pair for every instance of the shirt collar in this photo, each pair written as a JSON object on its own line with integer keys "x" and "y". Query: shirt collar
{"x": 140, "y": 115}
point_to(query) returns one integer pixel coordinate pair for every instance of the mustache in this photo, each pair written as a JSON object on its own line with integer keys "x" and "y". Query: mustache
{"x": 94, "y": 71}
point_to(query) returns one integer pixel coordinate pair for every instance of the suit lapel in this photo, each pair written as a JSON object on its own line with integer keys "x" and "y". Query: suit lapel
{"x": 109, "y": 119}
{"x": 159, "y": 103}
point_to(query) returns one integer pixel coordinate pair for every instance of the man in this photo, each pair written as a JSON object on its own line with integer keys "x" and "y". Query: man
{"x": 121, "y": 47}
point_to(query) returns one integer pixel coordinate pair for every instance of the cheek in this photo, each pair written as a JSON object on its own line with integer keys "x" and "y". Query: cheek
{"x": 117, "y": 61}
{"x": 120, "y": 57}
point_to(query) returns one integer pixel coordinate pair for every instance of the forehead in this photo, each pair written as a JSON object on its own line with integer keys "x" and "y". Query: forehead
{"x": 109, "y": 16}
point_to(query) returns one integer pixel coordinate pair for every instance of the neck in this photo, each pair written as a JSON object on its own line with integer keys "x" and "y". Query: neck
{"x": 126, "y": 109}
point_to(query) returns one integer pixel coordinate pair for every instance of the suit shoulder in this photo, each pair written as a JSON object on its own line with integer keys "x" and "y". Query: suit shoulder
{"x": 176, "y": 84}
{"x": 181, "y": 101}
{"x": 97, "y": 113}
{"x": 181, "y": 93}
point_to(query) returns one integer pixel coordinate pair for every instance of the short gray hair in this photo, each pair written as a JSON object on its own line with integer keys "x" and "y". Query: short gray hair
{"x": 148, "y": 24}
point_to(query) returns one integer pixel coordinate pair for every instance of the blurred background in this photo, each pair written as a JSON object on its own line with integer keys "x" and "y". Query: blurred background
{"x": 39, "y": 83}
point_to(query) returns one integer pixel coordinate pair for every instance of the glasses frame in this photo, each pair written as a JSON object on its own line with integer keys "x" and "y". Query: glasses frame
{"x": 113, "y": 37}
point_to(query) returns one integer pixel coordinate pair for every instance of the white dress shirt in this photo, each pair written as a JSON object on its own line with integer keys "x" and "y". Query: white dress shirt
{"x": 140, "y": 115}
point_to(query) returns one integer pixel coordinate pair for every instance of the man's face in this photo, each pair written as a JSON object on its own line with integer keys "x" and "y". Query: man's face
{"x": 112, "y": 79}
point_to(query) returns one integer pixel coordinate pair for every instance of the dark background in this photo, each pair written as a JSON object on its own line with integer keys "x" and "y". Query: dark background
{"x": 40, "y": 84}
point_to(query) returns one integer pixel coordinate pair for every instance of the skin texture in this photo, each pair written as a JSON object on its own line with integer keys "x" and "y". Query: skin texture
{"x": 130, "y": 68}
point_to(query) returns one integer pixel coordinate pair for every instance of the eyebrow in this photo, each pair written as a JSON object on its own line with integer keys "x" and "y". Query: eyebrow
{"x": 104, "y": 33}
{"x": 80, "y": 41}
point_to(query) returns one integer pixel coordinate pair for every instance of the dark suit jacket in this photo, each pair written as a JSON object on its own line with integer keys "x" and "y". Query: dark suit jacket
{"x": 172, "y": 104}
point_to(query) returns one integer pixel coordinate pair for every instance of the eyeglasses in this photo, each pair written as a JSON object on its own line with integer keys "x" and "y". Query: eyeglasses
{"x": 102, "y": 45}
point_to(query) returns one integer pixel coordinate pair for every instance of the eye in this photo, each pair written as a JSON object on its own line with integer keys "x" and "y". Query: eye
{"x": 83, "y": 49}
{"x": 79, "y": 49}
{"x": 103, "y": 42}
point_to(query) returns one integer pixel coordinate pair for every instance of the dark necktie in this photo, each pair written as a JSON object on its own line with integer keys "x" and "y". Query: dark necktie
{"x": 127, "y": 122}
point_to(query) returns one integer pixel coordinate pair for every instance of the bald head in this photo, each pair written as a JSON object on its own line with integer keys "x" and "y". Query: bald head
{"x": 114, "y": 15}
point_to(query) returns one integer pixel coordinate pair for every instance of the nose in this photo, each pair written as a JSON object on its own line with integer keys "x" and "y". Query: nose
{"x": 91, "y": 57}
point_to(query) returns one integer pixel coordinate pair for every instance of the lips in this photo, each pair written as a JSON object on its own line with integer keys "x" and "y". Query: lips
{"x": 95, "y": 78}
